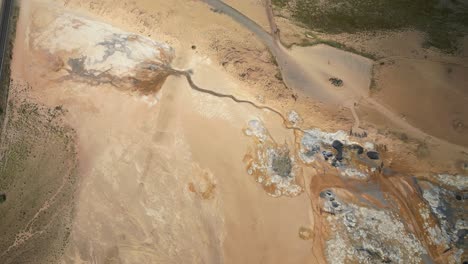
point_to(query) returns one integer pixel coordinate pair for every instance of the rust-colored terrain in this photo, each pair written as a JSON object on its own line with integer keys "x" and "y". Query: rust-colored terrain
{"x": 228, "y": 132}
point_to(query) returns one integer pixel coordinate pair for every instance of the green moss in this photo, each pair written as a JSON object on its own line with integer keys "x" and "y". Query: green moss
{"x": 281, "y": 162}
{"x": 5, "y": 74}
{"x": 400, "y": 135}
{"x": 316, "y": 40}
{"x": 373, "y": 87}
{"x": 444, "y": 22}
{"x": 38, "y": 162}
{"x": 422, "y": 150}
{"x": 280, "y": 3}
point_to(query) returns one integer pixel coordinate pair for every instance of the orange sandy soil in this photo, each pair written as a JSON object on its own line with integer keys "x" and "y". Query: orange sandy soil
{"x": 162, "y": 178}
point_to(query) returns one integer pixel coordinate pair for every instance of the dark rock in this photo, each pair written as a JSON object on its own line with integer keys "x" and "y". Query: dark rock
{"x": 336, "y": 82}
{"x": 327, "y": 154}
{"x": 359, "y": 149}
{"x": 194, "y": 47}
{"x": 373, "y": 155}
{"x": 373, "y": 255}
{"x": 461, "y": 237}
{"x": 312, "y": 150}
{"x": 2, "y": 197}
{"x": 327, "y": 194}
{"x": 215, "y": 10}
{"x": 337, "y": 163}
{"x": 359, "y": 134}
{"x": 445, "y": 206}
{"x": 339, "y": 156}
{"x": 465, "y": 166}
{"x": 279, "y": 76}
{"x": 336, "y": 144}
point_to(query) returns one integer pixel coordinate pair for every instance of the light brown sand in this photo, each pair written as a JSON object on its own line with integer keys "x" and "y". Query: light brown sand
{"x": 162, "y": 179}
{"x": 138, "y": 160}
{"x": 423, "y": 87}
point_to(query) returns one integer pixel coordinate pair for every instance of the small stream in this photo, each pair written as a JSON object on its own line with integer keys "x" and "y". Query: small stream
{"x": 295, "y": 77}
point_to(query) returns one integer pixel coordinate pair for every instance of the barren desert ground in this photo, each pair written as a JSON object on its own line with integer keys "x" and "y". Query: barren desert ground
{"x": 235, "y": 131}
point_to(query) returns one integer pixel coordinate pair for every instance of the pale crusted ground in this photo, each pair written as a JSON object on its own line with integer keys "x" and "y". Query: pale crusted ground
{"x": 164, "y": 177}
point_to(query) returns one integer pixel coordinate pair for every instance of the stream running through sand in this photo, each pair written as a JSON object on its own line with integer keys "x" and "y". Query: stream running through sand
{"x": 295, "y": 76}
{"x": 293, "y": 73}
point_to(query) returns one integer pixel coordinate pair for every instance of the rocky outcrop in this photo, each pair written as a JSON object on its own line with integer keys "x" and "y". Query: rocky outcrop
{"x": 448, "y": 210}
{"x": 363, "y": 234}
{"x": 338, "y": 151}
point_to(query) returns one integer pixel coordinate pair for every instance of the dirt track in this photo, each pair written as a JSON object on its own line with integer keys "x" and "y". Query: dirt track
{"x": 164, "y": 177}
{"x": 296, "y": 77}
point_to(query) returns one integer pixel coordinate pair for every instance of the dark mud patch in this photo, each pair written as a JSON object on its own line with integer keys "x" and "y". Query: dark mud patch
{"x": 148, "y": 78}
{"x": 281, "y": 162}
{"x": 271, "y": 165}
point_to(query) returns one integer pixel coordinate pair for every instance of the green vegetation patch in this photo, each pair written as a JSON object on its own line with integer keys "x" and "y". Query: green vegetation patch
{"x": 281, "y": 162}
{"x": 5, "y": 74}
{"x": 444, "y": 21}
{"x": 317, "y": 40}
{"x": 280, "y": 3}
{"x": 38, "y": 171}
